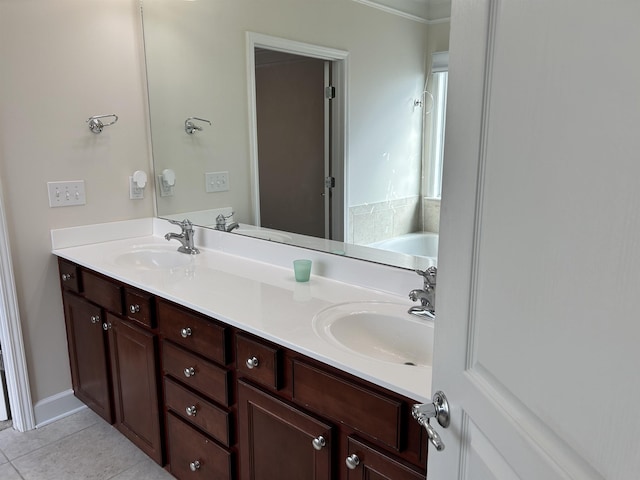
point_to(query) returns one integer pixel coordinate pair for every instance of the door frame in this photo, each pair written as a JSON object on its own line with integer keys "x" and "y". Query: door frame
{"x": 13, "y": 353}
{"x": 339, "y": 59}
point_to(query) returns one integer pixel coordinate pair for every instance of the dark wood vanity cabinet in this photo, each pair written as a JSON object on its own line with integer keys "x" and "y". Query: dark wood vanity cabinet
{"x": 113, "y": 354}
{"x": 219, "y": 403}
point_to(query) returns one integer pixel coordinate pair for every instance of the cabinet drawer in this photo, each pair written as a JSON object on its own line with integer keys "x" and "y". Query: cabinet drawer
{"x": 369, "y": 412}
{"x": 138, "y": 307}
{"x": 259, "y": 361}
{"x": 193, "y": 455}
{"x": 69, "y": 276}
{"x": 102, "y": 291}
{"x": 198, "y": 411}
{"x": 373, "y": 463}
{"x": 196, "y": 372}
{"x": 193, "y": 331}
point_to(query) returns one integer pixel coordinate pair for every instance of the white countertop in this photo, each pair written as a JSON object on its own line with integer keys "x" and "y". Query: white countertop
{"x": 259, "y": 298}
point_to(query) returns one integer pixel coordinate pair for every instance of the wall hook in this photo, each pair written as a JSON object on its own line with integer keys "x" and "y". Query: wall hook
{"x": 191, "y": 127}
{"x": 96, "y": 125}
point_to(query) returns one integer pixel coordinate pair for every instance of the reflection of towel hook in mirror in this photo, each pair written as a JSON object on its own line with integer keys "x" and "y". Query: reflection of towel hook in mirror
{"x": 96, "y": 125}
{"x": 191, "y": 127}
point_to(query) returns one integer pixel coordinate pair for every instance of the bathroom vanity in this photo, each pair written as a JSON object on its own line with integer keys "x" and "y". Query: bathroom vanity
{"x": 210, "y": 396}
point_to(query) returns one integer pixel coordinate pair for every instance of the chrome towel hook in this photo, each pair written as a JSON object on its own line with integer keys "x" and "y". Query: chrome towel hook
{"x": 191, "y": 127}
{"x": 96, "y": 125}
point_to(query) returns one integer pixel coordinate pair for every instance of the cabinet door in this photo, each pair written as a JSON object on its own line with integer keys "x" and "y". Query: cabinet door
{"x": 277, "y": 440}
{"x": 364, "y": 462}
{"x": 87, "y": 355}
{"x": 135, "y": 385}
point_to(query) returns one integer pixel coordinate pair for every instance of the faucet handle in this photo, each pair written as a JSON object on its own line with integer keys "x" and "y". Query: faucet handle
{"x": 429, "y": 276}
{"x": 184, "y": 224}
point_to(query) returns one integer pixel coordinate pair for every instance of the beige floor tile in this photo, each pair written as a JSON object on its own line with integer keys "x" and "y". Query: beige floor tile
{"x": 7, "y": 472}
{"x": 96, "y": 453}
{"x": 145, "y": 470}
{"x": 15, "y": 444}
{"x": 3, "y": 459}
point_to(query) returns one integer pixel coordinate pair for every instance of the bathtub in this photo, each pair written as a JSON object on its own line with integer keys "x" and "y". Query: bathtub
{"x": 423, "y": 244}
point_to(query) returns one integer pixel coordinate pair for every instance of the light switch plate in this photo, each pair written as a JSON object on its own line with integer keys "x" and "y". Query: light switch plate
{"x": 216, "y": 181}
{"x": 66, "y": 194}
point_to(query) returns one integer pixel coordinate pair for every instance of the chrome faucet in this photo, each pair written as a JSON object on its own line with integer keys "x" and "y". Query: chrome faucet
{"x": 185, "y": 238}
{"x": 426, "y": 295}
{"x": 221, "y": 223}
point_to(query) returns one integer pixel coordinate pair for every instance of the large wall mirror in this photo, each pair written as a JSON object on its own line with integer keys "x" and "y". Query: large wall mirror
{"x": 316, "y": 123}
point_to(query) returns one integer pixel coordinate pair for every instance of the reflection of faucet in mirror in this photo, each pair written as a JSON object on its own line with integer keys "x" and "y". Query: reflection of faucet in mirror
{"x": 185, "y": 238}
{"x": 221, "y": 223}
{"x": 426, "y": 295}
{"x": 191, "y": 127}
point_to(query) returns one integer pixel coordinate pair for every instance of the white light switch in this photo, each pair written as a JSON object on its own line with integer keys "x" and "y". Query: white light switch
{"x": 216, "y": 181}
{"x": 66, "y": 194}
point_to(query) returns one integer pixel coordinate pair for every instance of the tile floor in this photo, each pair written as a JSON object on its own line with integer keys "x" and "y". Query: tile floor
{"x": 79, "y": 447}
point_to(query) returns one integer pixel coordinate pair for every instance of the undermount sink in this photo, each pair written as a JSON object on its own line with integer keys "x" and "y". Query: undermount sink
{"x": 379, "y": 331}
{"x": 153, "y": 257}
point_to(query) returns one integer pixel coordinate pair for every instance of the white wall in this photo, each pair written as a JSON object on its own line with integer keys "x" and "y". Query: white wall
{"x": 198, "y": 68}
{"x": 60, "y": 63}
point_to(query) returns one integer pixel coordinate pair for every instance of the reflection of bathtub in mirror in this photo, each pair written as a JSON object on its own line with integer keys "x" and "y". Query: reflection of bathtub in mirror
{"x": 423, "y": 244}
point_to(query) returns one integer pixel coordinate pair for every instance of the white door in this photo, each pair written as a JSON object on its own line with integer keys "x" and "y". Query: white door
{"x": 538, "y": 325}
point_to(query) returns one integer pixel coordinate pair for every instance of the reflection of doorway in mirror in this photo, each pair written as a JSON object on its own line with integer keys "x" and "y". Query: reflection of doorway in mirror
{"x": 293, "y": 122}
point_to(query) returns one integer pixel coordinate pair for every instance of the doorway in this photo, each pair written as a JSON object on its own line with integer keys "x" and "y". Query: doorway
{"x": 293, "y": 142}
{"x": 301, "y": 88}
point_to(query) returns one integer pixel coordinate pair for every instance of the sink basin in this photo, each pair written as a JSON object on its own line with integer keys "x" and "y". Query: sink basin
{"x": 379, "y": 331}
{"x": 153, "y": 257}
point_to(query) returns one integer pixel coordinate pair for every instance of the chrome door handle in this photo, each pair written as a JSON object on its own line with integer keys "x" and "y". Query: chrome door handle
{"x": 185, "y": 332}
{"x": 439, "y": 410}
{"x": 134, "y": 308}
{"x": 195, "y": 465}
{"x": 95, "y": 318}
{"x": 189, "y": 372}
{"x": 67, "y": 276}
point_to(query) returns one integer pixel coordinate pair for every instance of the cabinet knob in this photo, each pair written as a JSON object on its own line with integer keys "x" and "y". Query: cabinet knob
{"x": 352, "y": 461}
{"x": 95, "y": 318}
{"x": 319, "y": 442}
{"x": 134, "y": 308}
{"x": 185, "y": 332}
{"x": 67, "y": 276}
{"x": 192, "y": 410}
{"x": 189, "y": 372}
{"x": 106, "y": 326}
{"x": 195, "y": 466}
{"x": 252, "y": 362}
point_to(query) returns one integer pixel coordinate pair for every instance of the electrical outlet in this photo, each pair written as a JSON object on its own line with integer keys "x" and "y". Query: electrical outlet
{"x": 216, "y": 181}
{"x": 135, "y": 192}
{"x": 165, "y": 191}
{"x": 66, "y": 194}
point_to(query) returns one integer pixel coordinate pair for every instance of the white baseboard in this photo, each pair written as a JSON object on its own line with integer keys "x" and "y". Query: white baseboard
{"x": 56, "y": 407}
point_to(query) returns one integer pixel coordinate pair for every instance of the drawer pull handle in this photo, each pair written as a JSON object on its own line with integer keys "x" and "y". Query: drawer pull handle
{"x": 95, "y": 318}
{"x": 352, "y": 461}
{"x": 194, "y": 466}
{"x": 189, "y": 372}
{"x": 134, "y": 308}
{"x": 67, "y": 276}
{"x": 319, "y": 442}
{"x": 106, "y": 326}
{"x": 185, "y": 332}
{"x": 252, "y": 362}
{"x": 192, "y": 410}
